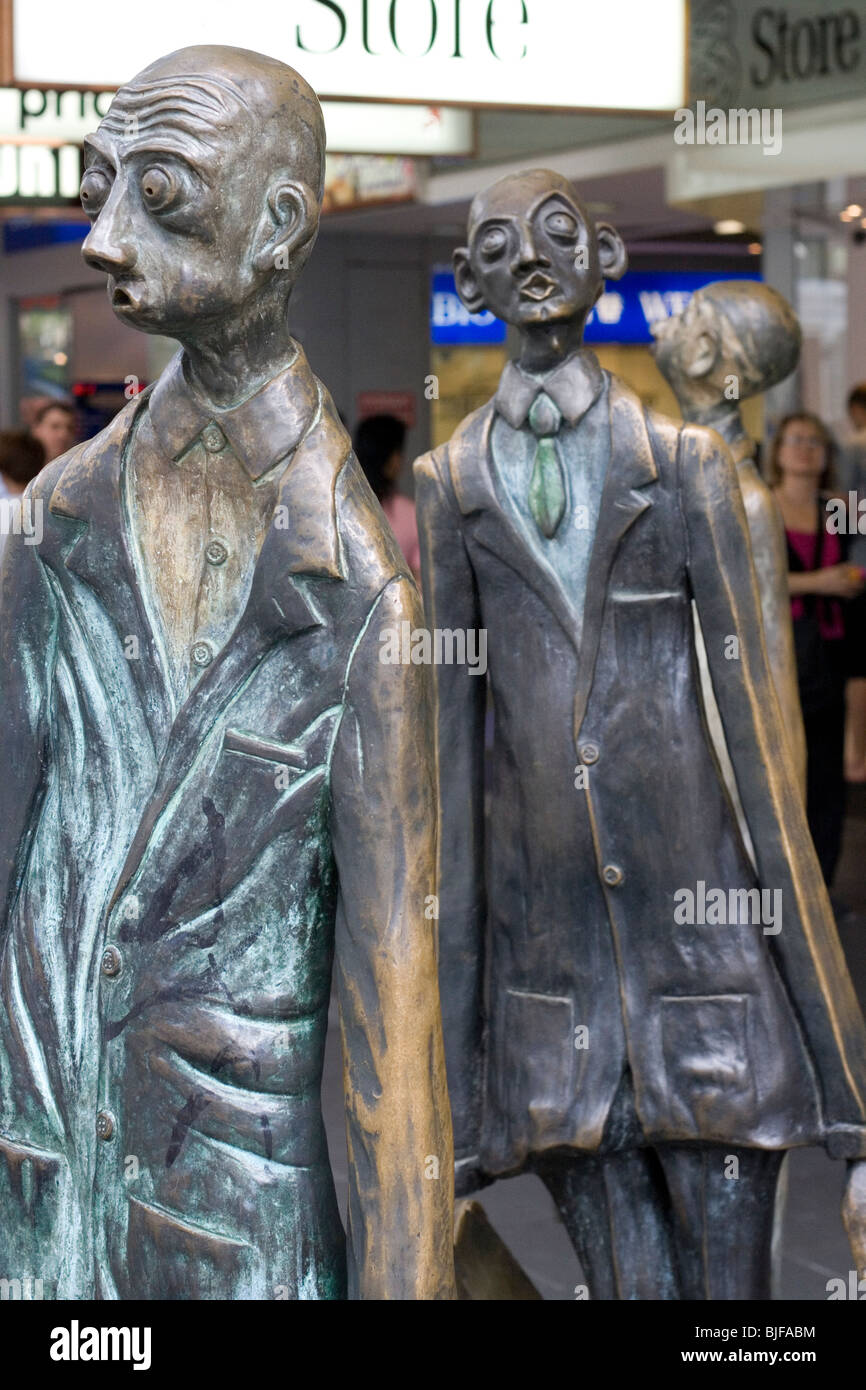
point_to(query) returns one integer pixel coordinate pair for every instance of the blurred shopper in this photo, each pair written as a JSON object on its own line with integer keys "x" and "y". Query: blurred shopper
{"x": 21, "y": 458}
{"x": 852, "y": 479}
{"x": 822, "y": 584}
{"x": 379, "y": 445}
{"x": 54, "y": 426}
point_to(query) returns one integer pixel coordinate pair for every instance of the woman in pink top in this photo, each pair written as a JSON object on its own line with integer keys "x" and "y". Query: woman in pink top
{"x": 379, "y": 442}
{"x": 827, "y": 626}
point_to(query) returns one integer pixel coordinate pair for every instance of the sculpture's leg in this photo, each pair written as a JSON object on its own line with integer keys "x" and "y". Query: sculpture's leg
{"x": 723, "y": 1202}
{"x": 615, "y": 1210}
{"x": 825, "y": 784}
{"x": 854, "y": 1214}
{"x": 779, "y": 1215}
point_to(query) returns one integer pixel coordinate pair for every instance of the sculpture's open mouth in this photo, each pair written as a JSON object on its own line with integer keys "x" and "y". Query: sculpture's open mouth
{"x": 537, "y": 287}
{"x": 123, "y": 297}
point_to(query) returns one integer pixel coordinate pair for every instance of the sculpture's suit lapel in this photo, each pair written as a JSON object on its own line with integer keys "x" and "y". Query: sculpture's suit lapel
{"x": 278, "y": 606}
{"x": 491, "y": 525}
{"x": 631, "y": 468}
{"x": 88, "y": 492}
{"x": 301, "y": 544}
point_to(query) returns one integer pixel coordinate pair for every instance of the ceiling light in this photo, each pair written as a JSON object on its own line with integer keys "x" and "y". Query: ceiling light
{"x": 728, "y": 226}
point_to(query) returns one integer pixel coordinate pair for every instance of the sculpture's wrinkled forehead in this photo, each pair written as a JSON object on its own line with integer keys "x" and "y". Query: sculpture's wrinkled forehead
{"x": 518, "y": 195}
{"x": 194, "y": 107}
{"x": 209, "y": 96}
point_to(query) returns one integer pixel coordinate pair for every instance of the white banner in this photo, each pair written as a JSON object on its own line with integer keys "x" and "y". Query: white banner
{"x": 550, "y": 54}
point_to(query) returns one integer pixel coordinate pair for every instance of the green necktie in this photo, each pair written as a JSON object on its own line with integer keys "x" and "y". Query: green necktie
{"x": 547, "y": 485}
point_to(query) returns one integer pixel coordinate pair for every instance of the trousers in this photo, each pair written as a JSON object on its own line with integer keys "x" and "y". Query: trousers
{"x": 665, "y": 1221}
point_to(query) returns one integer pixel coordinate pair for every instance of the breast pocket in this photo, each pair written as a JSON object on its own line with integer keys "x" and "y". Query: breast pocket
{"x": 646, "y": 622}
{"x": 705, "y": 1046}
{"x": 266, "y": 781}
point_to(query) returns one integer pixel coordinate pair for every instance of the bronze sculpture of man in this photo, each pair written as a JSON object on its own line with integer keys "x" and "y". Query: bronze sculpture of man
{"x": 217, "y": 789}
{"x": 734, "y": 340}
{"x": 629, "y": 1009}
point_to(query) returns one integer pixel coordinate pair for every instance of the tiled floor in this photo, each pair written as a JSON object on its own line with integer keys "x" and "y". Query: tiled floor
{"x": 813, "y": 1248}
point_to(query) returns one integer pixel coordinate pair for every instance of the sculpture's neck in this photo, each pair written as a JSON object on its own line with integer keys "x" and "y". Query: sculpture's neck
{"x": 544, "y": 345}
{"x": 229, "y": 361}
{"x": 724, "y": 417}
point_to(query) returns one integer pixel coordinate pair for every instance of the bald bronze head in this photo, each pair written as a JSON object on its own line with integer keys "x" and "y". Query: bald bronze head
{"x": 535, "y": 256}
{"x": 733, "y": 340}
{"x": 203, "y": 185}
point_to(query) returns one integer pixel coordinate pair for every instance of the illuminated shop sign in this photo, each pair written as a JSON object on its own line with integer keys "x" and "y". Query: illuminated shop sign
{"x": 40, "y": 142}
{"x": 41, "y": 134}
{"x": 566, "y": 54}
{"x": 629, "y": 307}
{"x": 451, "y": 322}
{"x": 623, "y": 314}
{"x": 29, "y": 115}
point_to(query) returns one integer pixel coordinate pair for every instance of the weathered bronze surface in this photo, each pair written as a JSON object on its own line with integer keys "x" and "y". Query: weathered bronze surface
{"x": 650, "y": 1057}
{"x": 485, "y": 1267}
{"x": 215, "y": 790}
{"x": 734, "y": 340}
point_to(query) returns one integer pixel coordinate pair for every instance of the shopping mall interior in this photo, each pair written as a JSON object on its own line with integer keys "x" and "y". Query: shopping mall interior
{"x": 780, "y": 200}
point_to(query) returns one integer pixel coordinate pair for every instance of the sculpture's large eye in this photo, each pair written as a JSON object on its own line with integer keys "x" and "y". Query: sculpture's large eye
{"x": 95, "y": 188}
{"x": 493, "y": 242}
{"x": 561, "y": 224}
{"x": 159, "y": 188}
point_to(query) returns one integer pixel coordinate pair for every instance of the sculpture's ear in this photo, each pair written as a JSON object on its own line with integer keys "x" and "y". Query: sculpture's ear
{"x": 703, "y": 353}
{"x": 464, "y": 278}
{"x": 292, "y": 221}
{"x": 612, "y": 255}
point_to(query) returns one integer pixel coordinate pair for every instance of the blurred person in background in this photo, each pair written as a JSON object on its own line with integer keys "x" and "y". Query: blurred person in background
{"x": 53, "y": 425}
{"x": 852, "y": 478}
{"x": 827, "y": 626}
{"x": 21, "y": 458}
{"x": 379, "y": 444}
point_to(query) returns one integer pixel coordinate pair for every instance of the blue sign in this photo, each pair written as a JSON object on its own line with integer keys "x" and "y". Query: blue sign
{"x": 624, "y": 313}
{"x": 22, "y": 234}
{"x": 628, "y": 307}
{"x": 452, "y": 323}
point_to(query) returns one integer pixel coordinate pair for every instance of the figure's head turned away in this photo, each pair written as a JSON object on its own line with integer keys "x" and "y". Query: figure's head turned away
{"x": 203, "y": 185}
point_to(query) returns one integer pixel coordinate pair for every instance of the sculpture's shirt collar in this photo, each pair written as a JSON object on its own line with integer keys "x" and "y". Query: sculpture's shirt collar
{"x": 261, "y": 430}
{"x": 574, "y": 385}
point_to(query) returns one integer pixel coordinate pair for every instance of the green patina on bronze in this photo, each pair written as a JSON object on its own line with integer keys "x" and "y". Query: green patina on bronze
{"x": 217, "y": 792}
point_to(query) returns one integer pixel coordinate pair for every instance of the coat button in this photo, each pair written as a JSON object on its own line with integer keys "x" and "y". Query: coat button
{"x": 202, "y": 654}
{"x": 612, "y": 875}
{"x": 213, "y": 439}
{"x": 588, "y": 753}
{"x": 104, "y": 1124}
{"x": 216, "y": 552}
{"x": 112, "y": 962}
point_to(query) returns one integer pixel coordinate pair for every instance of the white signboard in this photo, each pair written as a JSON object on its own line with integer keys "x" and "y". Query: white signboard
{"x": 551, "y": 54}
{"x": 353, "y": 127}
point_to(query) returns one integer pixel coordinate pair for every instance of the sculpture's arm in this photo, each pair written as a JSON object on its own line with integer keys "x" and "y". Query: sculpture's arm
{"x": 770, "y": 553}
{"x": 451, "y": 601}
{"x": 28, "y": 625}
{"x": 383, "y": 822}
{"x": 724, "y": 586}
